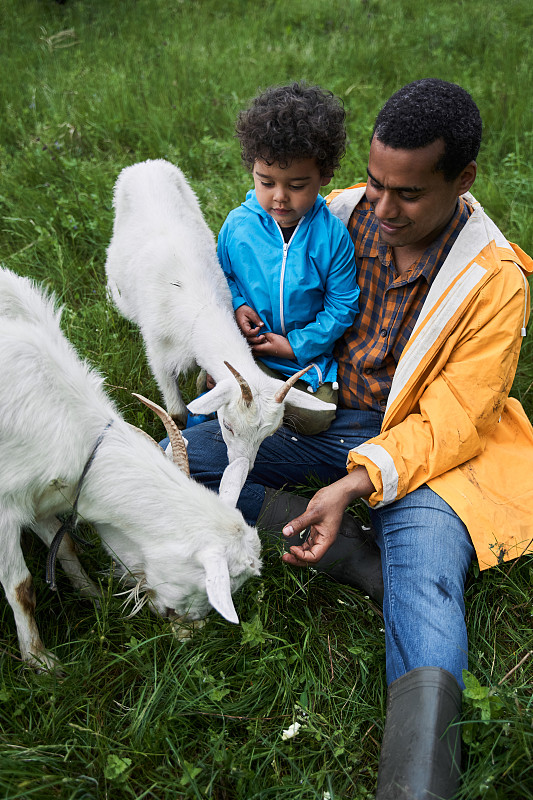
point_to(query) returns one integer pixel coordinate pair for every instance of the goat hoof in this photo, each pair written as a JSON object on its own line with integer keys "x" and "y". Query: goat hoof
{"x": 92, "y": 593}
{"x": 180, "y": 421}
{"x": 46, "y": 663}
{"x": 183, "y": 630}
{"x": 94, "y": 601}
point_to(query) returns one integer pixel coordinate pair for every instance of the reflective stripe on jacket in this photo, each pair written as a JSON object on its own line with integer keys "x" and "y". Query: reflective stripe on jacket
{"x": 449, "y": 421}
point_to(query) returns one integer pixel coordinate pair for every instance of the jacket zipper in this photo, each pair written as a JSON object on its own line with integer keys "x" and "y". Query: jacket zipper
{"x": 286, "y": 246}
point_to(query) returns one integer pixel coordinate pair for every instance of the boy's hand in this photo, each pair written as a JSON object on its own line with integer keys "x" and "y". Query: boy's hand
{"x": 272, "y": 344}
{"x": 249, "y": 323}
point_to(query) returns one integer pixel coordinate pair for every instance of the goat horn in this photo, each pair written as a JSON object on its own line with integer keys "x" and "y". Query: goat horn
{"x": 146, "y": 435}
{"x": 281, "y": 394}
{"x": 179, "y": 451}
{"x": 245, "y": 389}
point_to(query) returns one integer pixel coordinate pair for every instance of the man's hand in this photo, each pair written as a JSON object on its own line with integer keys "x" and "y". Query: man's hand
{"x": 249, "y": 323}
{"x": 323, "y": 516}
{"x": 272, "y": 344}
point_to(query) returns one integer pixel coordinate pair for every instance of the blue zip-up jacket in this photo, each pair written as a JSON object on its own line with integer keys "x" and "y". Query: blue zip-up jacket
{"x": 305, "y": 290}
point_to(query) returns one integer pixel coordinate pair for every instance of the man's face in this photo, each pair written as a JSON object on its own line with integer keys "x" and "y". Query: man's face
{"x": 288, "y": 193}
{"x": 412, "y": 203}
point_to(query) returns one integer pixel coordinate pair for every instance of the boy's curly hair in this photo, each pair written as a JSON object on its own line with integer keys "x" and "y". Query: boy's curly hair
{"x": 290, "y": 122}
{"x": 429, "y": 109}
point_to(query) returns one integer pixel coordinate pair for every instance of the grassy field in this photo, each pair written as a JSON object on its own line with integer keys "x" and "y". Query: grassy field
{"x": 88, "y": 88}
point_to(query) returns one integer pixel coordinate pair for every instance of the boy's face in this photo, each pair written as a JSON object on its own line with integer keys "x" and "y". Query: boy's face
{"x": 288, "y": 193}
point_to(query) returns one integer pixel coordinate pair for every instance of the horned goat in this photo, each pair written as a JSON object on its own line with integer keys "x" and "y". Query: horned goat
{"x": 188, "y": 548}
{"x": 164, "y": 275}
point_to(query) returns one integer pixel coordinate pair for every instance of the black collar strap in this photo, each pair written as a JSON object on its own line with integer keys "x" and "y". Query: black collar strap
{"x": 70, "y": 521}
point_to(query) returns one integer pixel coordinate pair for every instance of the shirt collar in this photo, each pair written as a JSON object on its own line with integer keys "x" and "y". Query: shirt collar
{"x": 432, "y": 258}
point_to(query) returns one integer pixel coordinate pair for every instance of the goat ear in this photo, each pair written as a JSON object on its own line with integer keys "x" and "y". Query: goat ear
{"x": 211, "y": 401}
{"x": 233, "y": 479}
{"x": 217, "y": 584}
{"x": 299, "y": 399}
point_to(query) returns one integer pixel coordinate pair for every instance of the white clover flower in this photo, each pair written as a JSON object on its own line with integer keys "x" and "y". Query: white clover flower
{"x": 326, "y": 796}
{"x": 291, "y": 731}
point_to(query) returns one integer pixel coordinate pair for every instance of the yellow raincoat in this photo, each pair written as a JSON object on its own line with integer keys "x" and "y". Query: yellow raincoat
{"x": 449, "y": 422}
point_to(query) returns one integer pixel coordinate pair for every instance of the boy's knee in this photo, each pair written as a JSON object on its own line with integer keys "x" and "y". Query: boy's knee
{"x": 308, "y": 423}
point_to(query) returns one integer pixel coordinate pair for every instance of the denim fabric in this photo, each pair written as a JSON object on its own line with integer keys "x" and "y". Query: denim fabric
{"x": 425, "y": 554}
{"x": 285, "y": 459}
{"x": 425, "y": 548}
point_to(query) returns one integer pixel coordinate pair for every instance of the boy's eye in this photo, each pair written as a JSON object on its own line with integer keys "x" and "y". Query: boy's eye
{"x": 295, "y": 188}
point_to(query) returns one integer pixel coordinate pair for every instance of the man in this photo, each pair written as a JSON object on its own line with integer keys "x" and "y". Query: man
{"x": 434, "y": 444}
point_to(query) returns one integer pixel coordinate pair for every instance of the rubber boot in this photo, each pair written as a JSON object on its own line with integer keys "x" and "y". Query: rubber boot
{"x": 421, "y": 751}
{"x": 353, "y": 559}
{"x": 201, "y": 382}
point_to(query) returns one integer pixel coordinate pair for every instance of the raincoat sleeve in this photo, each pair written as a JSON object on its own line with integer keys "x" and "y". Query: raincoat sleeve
{"x": 223, "y": 257}
{"x": 458, "y": 405}
{"x": 340, "y": 306}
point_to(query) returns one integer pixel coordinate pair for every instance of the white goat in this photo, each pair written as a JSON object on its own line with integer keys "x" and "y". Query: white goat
{"x": 188, "y": 548}
{"x": 163, "y": 274}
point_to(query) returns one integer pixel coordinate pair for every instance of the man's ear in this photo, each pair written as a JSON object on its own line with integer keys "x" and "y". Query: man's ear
{"x": 467, "y": 177}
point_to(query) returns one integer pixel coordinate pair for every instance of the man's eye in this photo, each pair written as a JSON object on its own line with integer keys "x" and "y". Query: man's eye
{"x": 228, "y": 427}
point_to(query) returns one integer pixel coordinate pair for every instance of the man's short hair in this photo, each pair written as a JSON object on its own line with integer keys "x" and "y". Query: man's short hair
{"x": 429, "y": 109}
{"x": 296, "y": 121}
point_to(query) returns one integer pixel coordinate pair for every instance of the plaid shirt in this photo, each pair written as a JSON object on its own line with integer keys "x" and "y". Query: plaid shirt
{"x": 389, "y": 305}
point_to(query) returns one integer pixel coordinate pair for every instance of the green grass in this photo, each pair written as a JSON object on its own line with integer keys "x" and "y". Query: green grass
{"x": 88, "y": 88}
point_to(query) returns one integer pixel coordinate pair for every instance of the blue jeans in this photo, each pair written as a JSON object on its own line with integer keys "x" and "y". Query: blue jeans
{"x": 425, "y": 548}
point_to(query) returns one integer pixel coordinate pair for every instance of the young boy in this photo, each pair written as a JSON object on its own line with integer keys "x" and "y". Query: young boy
{"x": 289, "y": 262}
